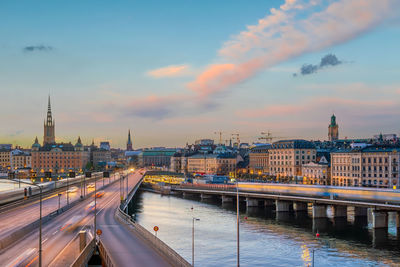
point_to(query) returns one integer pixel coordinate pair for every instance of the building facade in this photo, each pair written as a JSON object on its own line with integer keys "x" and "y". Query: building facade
{"x": 20, "y": 159}
{"x": 371, "y": 166}
{"x": 5, "y": 157}
{"x": 259, "y": 159}
{"x": 333, "y": 129}
{"x": 316, "y": 173}
{"x": 287, "y": 157}
{"x": 219, "y": 164}
{"x": 157, "y": 157}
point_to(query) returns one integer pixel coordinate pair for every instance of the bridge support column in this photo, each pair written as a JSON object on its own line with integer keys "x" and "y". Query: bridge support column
{"x": 251, "y": 202}
{"x": 204, "y": 196}
{"x": 226, "y": 199}
{"x": 282, "y": 206}
{"x": 268, "y": 203}
{"x": 339, "y": 211}
{"x": 300, "y": 206}
{"x": 82, "y": 240}
{"x": 398, "y": 220}
{"x": 379, "y": 219}
{"x": 319, "y": 211}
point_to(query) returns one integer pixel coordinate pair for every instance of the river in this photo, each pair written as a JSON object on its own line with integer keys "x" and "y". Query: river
{"x": 265, "y": 240}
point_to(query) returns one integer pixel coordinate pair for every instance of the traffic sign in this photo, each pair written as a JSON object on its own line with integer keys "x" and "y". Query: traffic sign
{"x": 156, "y": 228}
{"x": 99, "y": 232}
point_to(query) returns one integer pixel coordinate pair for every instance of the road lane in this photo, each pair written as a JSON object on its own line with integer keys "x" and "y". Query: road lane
{"x": 55, "y": 240}
{"x": 20, "y": 216}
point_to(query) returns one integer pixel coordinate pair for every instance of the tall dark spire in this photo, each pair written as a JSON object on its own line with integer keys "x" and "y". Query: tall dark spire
{"x": 129, "y": 143}
{"x": 49, "y": 124}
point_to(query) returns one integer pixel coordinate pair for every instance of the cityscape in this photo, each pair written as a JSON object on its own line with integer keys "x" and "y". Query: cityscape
{"x": 199, "y": 133}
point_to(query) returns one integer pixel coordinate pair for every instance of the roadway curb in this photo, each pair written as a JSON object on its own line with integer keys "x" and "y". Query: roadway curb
{"x": 20, "y": 233}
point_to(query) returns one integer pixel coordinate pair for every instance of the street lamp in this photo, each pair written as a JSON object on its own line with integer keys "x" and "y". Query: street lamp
{"x": 237, "y": 220}
{"x": 40, "y": 221}
{"x": 194, "y": 219}
{"x": 95, "y": 208}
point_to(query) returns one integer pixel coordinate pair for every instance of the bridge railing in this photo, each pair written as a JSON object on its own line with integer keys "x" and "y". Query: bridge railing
{"x": 168, "y": 253}
{"x": 228, "y": 187}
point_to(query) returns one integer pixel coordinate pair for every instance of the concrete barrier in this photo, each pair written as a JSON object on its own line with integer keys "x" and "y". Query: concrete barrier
{"x": 85, "y": 255}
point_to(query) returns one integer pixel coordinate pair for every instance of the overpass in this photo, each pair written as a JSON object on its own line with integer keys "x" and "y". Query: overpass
{"x": 289, "y": 201}
{"x": 120, "y": 244}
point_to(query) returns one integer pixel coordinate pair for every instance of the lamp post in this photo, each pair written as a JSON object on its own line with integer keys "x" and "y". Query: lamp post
{"x": 237, "y": 221}
{"x": 40, "y": 221}
{"x": 95, "y": 208}
{"x": 194, "y": 219}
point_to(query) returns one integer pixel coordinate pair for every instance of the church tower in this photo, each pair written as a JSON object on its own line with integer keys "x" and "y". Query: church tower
{"x": 49, "y": 124}
{"x": 333, "y": 129}
{"x": 129, "y": 143}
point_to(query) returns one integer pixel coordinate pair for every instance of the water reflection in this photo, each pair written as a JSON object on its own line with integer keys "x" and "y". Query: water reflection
{"x": 268, "y": 238}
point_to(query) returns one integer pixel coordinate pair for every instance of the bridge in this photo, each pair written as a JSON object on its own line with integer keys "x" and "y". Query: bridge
{"x": 290, "y": 200}
{"x": 68, "y": 228}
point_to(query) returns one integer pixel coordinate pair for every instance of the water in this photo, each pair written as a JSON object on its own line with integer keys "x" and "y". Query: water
{"x": 265, "y": 240}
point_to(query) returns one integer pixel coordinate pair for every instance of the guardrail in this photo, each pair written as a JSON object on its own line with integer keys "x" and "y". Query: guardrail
{"x": 104, "y": 255}
{"x": 163, "y": 249}
{"x": 85, "y": 255}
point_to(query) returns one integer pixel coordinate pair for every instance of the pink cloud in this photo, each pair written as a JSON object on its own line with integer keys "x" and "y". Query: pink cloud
{"x": 280, "y": 36}
{"x": 170, "y": 71}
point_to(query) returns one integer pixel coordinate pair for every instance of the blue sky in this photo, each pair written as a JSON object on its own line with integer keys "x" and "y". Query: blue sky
{"x": 175, "y": 71}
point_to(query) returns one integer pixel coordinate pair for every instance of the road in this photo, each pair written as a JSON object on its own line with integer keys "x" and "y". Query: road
{"x": 59, "y": 243}
{"x": 14, "y": 218}
{"x": 57, "y": 233}
{"x": 124, "y": 247}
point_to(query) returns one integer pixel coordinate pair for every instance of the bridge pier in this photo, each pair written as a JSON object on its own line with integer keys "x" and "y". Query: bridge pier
{"x": 356, "y": 212}
{"x": 318, "y": 211}
{"x": 339, "y": 211}
{"x": 379, "y": 219}
{"x": 282, "y": 206}
{"x": 226, "y": 199}
{"x": 204, "y": 196}
{"x": 185, "y": 195}
{"x": 251, "y": 202}
{"x": 269, "y": 203}
{"x": 300, "y": 206}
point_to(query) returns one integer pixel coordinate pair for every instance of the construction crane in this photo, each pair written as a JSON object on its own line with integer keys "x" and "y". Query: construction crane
{"x": 220, "y": 136}
{"x": 237, "y": 137}
{"x": 267, "y": 136}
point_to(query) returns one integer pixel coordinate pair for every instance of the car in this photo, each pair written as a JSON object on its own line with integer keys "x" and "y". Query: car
{"x": 100, "y": 194}
{"x": 72, "y": 189}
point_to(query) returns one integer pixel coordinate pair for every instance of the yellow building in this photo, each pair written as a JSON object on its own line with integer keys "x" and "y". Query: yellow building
{"x": 259, "y": 159}
{"x": 221, "y": 164}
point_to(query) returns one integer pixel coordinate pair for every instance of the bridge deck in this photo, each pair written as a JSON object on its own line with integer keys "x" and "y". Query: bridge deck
{"x": 379, "y": 206}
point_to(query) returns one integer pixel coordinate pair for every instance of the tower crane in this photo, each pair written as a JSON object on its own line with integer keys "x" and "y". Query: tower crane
{"x": 267, "y": 136}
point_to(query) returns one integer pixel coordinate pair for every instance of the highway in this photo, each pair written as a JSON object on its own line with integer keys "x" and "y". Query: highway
{"x": 60, "y": 247}
{"x": 12, "y": 219}
{"x": 25, "y": 251}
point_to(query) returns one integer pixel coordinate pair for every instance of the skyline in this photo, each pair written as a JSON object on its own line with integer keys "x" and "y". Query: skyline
{"x": 161, "y": 74}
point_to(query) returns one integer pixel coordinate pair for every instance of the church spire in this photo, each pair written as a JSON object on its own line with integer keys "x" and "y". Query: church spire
{"x": 129, "y": 143}
{"x": 49, "y": 125}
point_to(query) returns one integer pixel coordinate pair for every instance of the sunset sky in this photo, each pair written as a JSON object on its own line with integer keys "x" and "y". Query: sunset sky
{"x": 179, "y": 70}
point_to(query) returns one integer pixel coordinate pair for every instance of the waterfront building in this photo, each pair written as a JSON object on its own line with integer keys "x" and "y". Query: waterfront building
{"x": 286, "y": 157}
{"x": 5, "y": 154}
{"x": 129, "y": 146}
{"x": 105, "y": 145}
{"x": 157, "y": 157}
{"x": 373, "y": 166}
{"x": 58, "y": 158}
{"x": 333, "y": 129}
{"x": 101, "y": 156}
{"x": 220, "y": 164}
{"x": 259, "y": 159}
{"x": 20, "y": 159}
{"x": 316, "y": 172}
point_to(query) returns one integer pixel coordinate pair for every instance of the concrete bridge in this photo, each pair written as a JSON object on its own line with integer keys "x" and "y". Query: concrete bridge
{"x": 287, "y": 202}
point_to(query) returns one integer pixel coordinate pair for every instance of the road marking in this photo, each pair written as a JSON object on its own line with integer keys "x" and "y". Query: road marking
{"x": 55, "y": 232}
{"x": 32, "y": 261}
{"x": 45, "y": 240}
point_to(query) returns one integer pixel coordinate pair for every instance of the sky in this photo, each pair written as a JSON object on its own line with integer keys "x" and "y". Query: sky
{"x": 180, "y": 70}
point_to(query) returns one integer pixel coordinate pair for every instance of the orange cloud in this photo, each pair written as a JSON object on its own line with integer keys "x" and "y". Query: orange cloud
{"x": 170, "y": 71}
{"x": 281, "y": 36}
